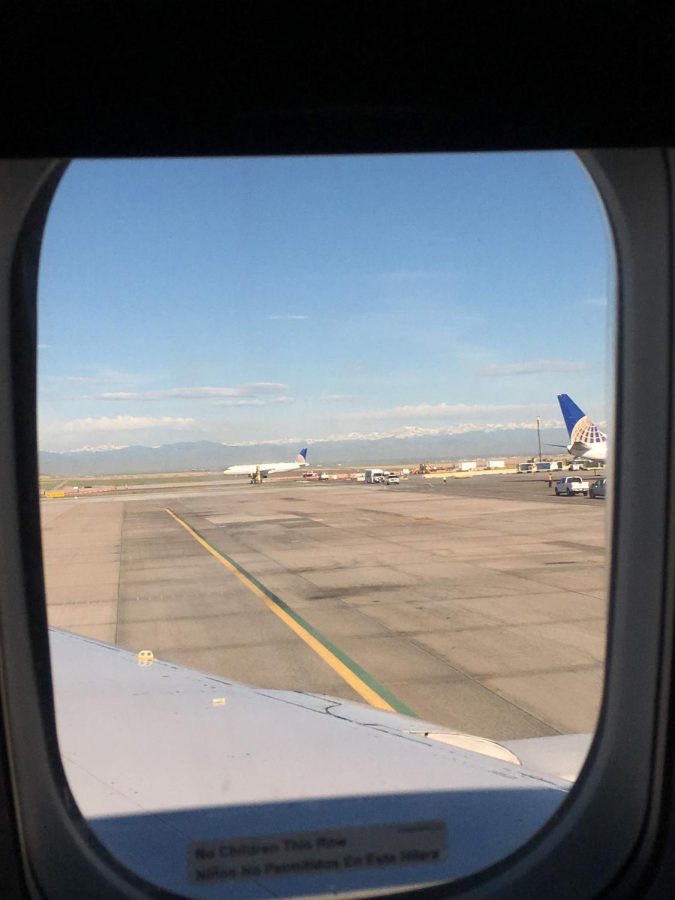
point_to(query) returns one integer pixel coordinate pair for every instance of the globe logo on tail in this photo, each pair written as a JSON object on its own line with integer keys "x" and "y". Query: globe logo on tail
{"x": 585, "y": 432}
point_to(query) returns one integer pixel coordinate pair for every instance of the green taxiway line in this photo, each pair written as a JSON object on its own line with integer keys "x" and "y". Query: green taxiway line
{"x": 346, "y": 660}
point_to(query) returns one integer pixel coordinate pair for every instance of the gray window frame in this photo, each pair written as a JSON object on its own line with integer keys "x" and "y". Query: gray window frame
{"x": 602, "y": 838}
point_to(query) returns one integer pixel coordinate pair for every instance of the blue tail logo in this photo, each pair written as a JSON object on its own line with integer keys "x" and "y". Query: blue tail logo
{"x": 302, "y": 456}
{"x": 579, "y": 427}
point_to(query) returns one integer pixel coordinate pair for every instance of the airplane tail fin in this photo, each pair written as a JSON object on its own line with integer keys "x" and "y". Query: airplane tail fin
{"x": 571, "y": 412}
{"x": 302, "y": 457}
{"x": 579, "y": 427}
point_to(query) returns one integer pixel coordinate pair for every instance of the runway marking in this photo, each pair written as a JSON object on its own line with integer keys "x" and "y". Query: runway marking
{"x": 351, "y": 672}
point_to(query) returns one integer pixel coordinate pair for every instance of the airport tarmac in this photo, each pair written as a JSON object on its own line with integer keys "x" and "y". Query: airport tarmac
{"x": 479, "y": 604}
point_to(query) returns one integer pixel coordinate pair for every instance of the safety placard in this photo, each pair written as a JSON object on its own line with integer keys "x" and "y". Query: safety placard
{"x": 332, "y": 850}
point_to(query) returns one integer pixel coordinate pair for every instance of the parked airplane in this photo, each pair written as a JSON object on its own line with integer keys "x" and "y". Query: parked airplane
{"x": 586, "y": 439}
{"x": 265, "y": 469}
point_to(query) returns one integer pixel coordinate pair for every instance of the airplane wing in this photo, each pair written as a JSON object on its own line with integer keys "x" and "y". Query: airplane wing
{"x": 196, "y": 782}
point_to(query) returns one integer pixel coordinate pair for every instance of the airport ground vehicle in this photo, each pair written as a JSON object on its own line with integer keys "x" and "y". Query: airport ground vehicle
{"x": 549, "y": 466}
{"x": 372, "y": 476}
{"x": 598, "y": 489}
{"x": 526, "y": 468}
{"x": 571, "y": 485}
{"x": 628, "y": 783}
{"x": 392, "y": 479}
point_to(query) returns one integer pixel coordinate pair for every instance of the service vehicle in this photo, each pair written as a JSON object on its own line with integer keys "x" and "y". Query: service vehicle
{"x": 598, "y": 489}
{"x": 373, "y": 475}
{"x": 571, "y": 485}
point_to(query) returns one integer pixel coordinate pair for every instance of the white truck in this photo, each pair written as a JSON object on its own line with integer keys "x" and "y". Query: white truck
{"x": 526, "y": 468}
{"x": 571, "y": 485}
{"x": 374, "y": 476}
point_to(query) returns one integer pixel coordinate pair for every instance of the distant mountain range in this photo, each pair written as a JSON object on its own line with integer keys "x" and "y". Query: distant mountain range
{"x": 211, "y": 456}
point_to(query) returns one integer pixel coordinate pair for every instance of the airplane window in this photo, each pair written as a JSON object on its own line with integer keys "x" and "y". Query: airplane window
{"x": 323, "y": 448}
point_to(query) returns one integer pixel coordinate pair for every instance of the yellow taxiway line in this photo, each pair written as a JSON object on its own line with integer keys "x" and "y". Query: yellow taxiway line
{"x": 356, "y": 677}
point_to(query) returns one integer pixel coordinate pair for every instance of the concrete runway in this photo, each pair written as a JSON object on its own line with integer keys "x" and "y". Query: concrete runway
{"x": 479, "y": 603}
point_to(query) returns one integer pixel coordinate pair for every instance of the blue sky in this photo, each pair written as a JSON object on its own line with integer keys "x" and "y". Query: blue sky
{"x": 246, "y": 300}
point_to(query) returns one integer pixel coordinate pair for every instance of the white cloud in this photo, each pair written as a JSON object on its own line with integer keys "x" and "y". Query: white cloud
{"x": 336, "y": 398}
{"x": 104, "y": 377}
{"x": 289, "y": 318}
{"x": 404, "y": 432}
{"x": 43, "y": 346}
{"x": 535, "y": 367}
{"x": 147, "y": 429}
{"x": 449, "y": 410}
{"x": 93, "y": 448}
{"x": 411, "y": 274}
{"x": 255, "y": 389}
{"x": 253, "y": 401}
{"x": 127, "y": 423}
{"x": 83, "y": 379}
{"x": 595, "y": 301}
{"x": 410, "y": 431}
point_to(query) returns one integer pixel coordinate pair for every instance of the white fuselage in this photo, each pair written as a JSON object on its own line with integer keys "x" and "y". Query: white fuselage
{"x": 595, "y": 452}
{"x": 263, "y": 468}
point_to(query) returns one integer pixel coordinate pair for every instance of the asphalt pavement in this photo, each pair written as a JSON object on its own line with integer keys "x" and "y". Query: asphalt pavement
{"x": 477, "y": 603}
